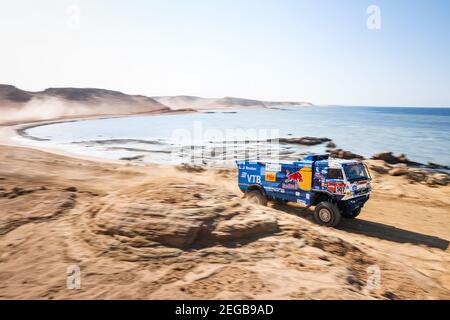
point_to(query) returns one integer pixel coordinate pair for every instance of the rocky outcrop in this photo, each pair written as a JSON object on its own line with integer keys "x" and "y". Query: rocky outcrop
{"x": 306, "y": 141}
{"x": 390, "y": 158}
{"x": 185, "y": 214}
{"x": 344, "y": 154}
{"x": 245, "y": 226}
{"x": 400, "y": 171}
{"x": 414, "y": 174}
{"x": 433, "y": 165}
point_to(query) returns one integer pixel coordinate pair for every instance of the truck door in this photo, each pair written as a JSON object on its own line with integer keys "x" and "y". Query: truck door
{"x": 320, "y": 173}
{"x": 297, "y": 182}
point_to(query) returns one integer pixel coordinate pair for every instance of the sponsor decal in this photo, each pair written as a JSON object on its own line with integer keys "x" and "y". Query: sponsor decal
{"x": 274, "y": 189}
{"x": 301, "y": 178}
{"x": 292, "y": 186}
{"x": 271, "y": 177}
{"x": 336, "y": 187}
{"x": 251, "y": 178}
{"x": 294, "y": 177}
{"x": 274, "y": 167}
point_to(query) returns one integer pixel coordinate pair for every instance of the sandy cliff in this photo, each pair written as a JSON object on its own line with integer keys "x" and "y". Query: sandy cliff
{"x": 60, "y": 103}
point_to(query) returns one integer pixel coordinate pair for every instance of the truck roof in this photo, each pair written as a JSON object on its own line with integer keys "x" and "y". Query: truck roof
{"x": 308, "y": 160}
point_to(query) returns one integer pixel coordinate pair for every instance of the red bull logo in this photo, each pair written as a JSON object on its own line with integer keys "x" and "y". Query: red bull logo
{"x": 295, "y": 177}
{"x": 302, "y": 178}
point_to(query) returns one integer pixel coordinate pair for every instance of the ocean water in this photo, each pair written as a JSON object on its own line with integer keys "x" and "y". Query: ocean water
{"x": 423, "y": 134}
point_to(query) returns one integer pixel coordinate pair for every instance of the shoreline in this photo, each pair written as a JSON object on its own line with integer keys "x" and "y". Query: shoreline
{"x": 10, "y": 132}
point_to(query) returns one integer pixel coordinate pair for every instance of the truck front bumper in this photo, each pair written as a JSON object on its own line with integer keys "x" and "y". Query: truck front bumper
{"x": 352, "y": 204}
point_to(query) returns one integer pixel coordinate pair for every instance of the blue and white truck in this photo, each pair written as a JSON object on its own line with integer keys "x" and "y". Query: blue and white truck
{"x": 337, "y": 188}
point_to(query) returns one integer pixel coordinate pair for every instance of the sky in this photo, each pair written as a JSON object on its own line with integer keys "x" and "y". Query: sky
{"x": 294, "y": 50}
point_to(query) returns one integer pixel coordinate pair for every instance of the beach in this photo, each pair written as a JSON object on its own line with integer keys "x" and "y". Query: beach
{"x": 154, "y": 231}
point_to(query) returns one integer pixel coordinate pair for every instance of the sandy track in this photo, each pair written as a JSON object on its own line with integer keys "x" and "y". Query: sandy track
{"x": 155, "y": 232}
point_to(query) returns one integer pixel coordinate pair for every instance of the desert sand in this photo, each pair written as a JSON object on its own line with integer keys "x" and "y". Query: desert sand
{"x": 161, "y": 232}
{"x": 146, "y": 231}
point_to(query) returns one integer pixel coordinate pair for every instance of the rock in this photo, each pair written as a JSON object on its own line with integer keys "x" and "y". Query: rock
{"x": 417, "y": 175}
{"x": 390, "y": 158}
{"x": 190, "y": 167}
{"x": 69, "y": 204}
{"x": 354, "y": 281}
{"x": 400, "y": 171}
{"x": 167, "y": 213}
{"x": 433, "y": 165}
{"x": 379, "y": 169}
{"x": 139, "y": 157}
{"x": 331, "y": 145}
{"x": 390, "y": 295}
{"x": 18, "y": 191}
{"x": 71, "y": 189}
{"x": 440, "y": 179}
{"x": 306, "y": 141}
{"x": 344, "y": 154}
{"x": 245, "y": 226}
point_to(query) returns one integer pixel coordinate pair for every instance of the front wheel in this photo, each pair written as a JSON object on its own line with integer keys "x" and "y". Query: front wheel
{"x": 327, "y": 214}
{"x": 256, "y": 197}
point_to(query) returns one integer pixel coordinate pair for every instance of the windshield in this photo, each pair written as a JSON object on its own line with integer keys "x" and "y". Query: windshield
{"x": 355, "y": 172}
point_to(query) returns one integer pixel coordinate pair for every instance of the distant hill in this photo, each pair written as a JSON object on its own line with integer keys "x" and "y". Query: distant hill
{"x": 182, "y": 102}
{"x": 17, "y": 105}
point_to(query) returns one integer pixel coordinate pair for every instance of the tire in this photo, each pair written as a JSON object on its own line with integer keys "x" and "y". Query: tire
{"x": 256, "y": 197}
{"x": 353, "y": 214}
{"x": 327, "y": 214}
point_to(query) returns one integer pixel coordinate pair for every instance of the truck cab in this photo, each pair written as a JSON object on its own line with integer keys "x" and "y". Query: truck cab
{"x": 337, "y": 188}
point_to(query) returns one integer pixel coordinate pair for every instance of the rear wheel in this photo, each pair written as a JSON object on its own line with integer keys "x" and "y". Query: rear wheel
{"x": 256, "y": 197}
{"x": 327, "y": 214}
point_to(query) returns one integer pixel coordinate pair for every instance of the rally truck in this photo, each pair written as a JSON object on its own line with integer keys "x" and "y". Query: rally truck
{"x": 337, "y": 188}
